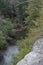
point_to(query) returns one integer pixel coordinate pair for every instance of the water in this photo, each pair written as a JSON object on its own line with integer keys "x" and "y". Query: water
{"x": 11, "y": 50}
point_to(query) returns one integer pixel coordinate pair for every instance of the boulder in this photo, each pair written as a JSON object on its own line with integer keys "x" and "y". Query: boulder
{"x": 35, "y": 57}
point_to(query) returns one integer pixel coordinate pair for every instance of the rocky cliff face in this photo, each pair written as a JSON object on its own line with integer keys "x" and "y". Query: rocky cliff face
{"x": 35, "y": 57}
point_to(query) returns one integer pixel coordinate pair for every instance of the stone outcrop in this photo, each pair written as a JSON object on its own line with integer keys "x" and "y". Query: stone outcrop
{"x": 35, "y": 57}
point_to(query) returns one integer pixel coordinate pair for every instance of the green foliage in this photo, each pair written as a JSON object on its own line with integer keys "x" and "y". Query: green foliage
{"x": 4, "y": 6}
{"x": 6, "y": 26}
{"x": 2, "y": 40}
{"x": 20, "y": 11}
{"x": 7, "y": 9}
{"x": 23, "y": 52}
{"x": 33, "y": 11}
{"x": 15, "y": 60}
{"x": 25, "y": 44}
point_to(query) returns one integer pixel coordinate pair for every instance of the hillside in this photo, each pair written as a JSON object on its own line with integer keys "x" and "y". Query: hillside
{"x": 20, "y": 26}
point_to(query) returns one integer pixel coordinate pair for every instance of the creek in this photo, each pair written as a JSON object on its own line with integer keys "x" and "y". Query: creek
{"x": 7, "y": 54}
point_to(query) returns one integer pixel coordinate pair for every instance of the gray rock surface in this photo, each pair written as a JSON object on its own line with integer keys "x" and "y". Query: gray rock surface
{"x": 35, "y": 57}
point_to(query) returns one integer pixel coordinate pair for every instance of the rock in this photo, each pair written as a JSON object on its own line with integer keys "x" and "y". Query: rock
{"x": 35, "y": 57}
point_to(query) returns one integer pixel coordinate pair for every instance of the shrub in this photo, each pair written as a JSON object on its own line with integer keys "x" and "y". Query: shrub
{"x": 2, "y": 40}
{"x": 23, "y": 52}
{"x": 15, "y": 60}
{"x": 6, "y": 26}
